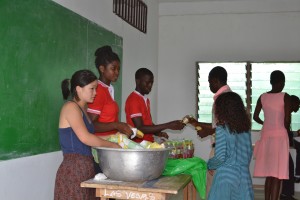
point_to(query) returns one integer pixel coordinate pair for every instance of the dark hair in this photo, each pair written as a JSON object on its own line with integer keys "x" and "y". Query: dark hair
{"x": 277, "y": 76}
{"x": 104, "y": 56}
{"x": 79, "y": 78}
{"x": 219, "y": 73}
{"x": 142, "y": 72}
{"x": 230, "y": 111}
{"x": 294, "y": 99}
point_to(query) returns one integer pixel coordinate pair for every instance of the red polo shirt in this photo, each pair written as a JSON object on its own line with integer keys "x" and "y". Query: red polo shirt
{"x": 105, "y": 106}
{"x": 137, "y": 105}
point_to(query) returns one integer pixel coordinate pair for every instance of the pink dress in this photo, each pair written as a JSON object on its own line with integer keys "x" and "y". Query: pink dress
{"x": 271, "y": 152}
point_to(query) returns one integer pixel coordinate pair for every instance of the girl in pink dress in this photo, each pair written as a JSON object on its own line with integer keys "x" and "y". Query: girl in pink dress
{"x": 271, "y": 152}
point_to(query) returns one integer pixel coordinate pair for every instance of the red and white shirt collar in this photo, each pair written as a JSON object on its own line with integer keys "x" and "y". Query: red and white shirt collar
{"x": 109, "y": 87}
{"x": 145, "y": 98}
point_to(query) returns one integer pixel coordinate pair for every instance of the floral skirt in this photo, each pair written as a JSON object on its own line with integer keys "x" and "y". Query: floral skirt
{"x": 74, "y": 169}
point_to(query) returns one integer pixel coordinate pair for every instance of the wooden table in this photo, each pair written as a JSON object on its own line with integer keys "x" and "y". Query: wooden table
{"x": 165, "y": 187}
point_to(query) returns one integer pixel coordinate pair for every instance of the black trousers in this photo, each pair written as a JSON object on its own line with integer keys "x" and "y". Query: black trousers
{"x": 297, "y": 147}
{"x": 288, "y": 185}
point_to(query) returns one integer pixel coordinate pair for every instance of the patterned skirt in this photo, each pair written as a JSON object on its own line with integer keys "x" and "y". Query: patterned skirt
{"x": 74, "y": 169}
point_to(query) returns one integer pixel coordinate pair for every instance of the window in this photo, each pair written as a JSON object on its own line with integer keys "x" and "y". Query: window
{"x": 249, "y": 80}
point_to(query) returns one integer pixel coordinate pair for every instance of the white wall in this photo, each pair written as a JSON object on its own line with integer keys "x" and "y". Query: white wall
{"x": 218, "y": 31}
{"x": 32, "y": 178}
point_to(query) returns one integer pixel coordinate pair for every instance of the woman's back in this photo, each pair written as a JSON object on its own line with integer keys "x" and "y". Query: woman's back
{"x": 233, "y": 155}
{"x": 271, "y": 151}
{"x": 273, "y": 107}
{"x": 240, "y": 152}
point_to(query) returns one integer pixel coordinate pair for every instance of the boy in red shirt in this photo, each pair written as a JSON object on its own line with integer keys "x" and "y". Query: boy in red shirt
{"x": 138, "y": 112}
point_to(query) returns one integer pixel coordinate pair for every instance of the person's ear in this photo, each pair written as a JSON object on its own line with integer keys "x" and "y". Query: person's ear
{"x": 101, "y": 69}
{"x": 137, "y": 81}
{"x": 78, "y": 89}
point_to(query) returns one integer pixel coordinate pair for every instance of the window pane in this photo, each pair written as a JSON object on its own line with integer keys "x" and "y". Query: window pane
{"x": 261, "y": 83}
{"x": 236, "y": 80}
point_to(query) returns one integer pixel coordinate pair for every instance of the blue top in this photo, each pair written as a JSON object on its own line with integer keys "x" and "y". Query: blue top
{"x": 69, "y": 141}
{"x": 233, "y": 153}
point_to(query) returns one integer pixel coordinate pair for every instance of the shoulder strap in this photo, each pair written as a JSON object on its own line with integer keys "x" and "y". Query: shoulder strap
{"x": 77, "y": 105}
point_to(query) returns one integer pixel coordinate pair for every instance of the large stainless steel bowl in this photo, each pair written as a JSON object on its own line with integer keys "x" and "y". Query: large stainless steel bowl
{"x": 132, "y": 164}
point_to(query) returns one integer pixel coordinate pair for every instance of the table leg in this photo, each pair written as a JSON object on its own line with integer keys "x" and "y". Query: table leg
{"x": 189, "y": 192}
{"x": 186, "y": 193}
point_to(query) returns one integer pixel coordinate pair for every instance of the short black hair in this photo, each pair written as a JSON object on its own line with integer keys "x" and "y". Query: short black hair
{"x": 277, "y": 76}
{"x": 142, "y": 72}
{"x": 219, "y": 73}
{"x": 294, "y": 99}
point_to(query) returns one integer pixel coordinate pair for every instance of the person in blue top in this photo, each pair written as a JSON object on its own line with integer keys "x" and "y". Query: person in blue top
{"x": 233, "y": 151}
{"x": 76, "y": 137}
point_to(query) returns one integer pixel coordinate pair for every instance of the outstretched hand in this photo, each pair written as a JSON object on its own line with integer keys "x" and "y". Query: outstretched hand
{"x": 163, "y": 134}
{"x": 193, "y": 121}
{"x": 176, "y": 125}
{"x": 204, "y": 132}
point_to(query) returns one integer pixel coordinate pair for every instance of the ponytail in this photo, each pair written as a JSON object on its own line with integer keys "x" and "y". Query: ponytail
{"x": 65, "y": 84}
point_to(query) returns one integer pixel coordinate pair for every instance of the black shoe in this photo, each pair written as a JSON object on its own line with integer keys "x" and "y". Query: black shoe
{"x": 297, "y": 180}
{"x": 285, "y": 197}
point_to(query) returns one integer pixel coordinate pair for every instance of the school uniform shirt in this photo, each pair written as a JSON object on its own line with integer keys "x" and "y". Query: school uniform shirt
{"x": 105, "y": 106}
{"x": 138, "y": 105}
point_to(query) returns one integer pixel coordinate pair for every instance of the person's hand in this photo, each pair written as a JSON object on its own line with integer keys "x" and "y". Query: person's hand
{"x": 204, "y": 132}
{"x": 193, "y": 121}
{"x": 163, "y": 134}
{"x": 124, "y": 128}
{"x": 115, "y": 145}
{"x": 176, "y": 125}
{"x": 211, "y": 172}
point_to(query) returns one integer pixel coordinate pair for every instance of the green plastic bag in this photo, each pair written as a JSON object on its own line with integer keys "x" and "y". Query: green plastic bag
{"x": 196, "y": 167}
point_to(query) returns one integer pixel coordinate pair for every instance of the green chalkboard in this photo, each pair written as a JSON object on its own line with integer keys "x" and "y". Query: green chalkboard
{"x": 41, "y": 43}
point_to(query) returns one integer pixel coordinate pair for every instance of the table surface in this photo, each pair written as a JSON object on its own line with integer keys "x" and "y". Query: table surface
{"x": 163, "y": 184}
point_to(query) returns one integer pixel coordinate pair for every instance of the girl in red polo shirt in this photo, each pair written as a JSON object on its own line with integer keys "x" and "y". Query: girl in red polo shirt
{"x": 104, "y": 110}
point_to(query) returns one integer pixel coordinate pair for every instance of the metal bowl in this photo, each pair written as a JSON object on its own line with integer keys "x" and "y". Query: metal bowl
{"x": 132, "y": 164}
